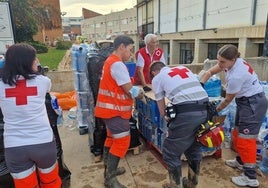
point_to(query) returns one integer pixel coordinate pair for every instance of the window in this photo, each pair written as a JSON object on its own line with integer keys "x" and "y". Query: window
{"x": 213, "y": 49}
{"x": 186, "y": 53}
{"x": 124, "y": 21}
{"x": 150, "y": 11}
{"x": 260, "y": 51}
{"x": 110, "y": 23}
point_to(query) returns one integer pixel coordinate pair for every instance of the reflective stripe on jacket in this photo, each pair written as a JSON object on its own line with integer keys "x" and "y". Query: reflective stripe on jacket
{"x": 112, "y": 100}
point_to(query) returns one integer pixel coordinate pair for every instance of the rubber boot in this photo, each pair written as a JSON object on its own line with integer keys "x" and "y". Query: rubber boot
{"x": 174, "y": 179}
{"x": 119, "y": 170}
{"x": 7, "y": 181}
{"x": 193, "y": 172}
{"x": 110, "y": 179}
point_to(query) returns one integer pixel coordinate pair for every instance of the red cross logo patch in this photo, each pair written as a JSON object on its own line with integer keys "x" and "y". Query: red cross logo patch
{"x": 181, "y": 72}
{"x": 21, "y": 92}
{"x": 250, "y": 69}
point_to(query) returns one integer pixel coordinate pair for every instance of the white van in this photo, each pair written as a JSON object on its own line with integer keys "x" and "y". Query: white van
{"x": 66, "y": 37}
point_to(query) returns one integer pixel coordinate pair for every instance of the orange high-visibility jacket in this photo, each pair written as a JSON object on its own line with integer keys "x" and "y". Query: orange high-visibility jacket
{"x": 112, "y": 100}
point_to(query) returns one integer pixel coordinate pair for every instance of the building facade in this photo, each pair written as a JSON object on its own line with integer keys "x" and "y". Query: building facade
{"x": 110, "y": 25}
{"x": 52, "y": 31}
{"x": 72, "y": 26}
{"x": 192, "y": 31}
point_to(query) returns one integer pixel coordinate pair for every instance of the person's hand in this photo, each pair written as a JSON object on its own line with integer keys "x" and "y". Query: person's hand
{"x": 141, "y": 94}
{"x": 146, "y": 89}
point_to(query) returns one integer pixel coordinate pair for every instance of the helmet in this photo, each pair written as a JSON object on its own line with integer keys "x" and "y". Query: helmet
{"x": 211, "y": 137}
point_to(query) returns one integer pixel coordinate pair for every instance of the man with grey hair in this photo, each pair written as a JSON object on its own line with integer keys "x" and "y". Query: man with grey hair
{"x": 145, "y": 56}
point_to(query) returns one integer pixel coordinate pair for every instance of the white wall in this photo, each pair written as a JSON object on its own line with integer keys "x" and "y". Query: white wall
{"x": 220, "y": 14}
{"x": 167, "y": 16}
{"x": 228, "y": 13}
{"x": 190, "y": 15}
{"x": 261, "y": 12}
{"x": 156, "y": 23}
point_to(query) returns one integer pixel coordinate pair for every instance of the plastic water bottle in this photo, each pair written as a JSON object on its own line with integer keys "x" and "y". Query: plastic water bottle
{"x": 227, "y": 133}
{"x": 79, "y": 53}
{"x": 55, "y": 105}
{"x": 213, "y": 86}
{"x": 265, "y": 87}
{"x": 57, "y": 109}
{"x": 264, "y": 162}
{"x": 259, "y": 153}
{"x": 54, "y": 102}
{"x": 2, "y": 61}
{"x": 263, "y": 131}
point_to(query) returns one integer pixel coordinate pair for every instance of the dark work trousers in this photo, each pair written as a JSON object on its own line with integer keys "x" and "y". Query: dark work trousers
{"x": 182, "y": 138}
{"x": 249, "y": 116}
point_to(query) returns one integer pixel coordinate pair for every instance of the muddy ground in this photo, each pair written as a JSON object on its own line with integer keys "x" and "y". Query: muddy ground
{"x": 144, "y": 170}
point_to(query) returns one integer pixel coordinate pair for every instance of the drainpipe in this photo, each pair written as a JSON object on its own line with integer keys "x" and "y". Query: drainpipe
{"x": 177, "y": 15}
{"x": 159, "y": 12}
{"x": 265, "y": 44}
{"x": 146, "y": 6}
{"x": 205, "y": 15}
{"x": 253, "y": 12}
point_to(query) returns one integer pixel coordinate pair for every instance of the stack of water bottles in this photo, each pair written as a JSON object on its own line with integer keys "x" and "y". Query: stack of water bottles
{"x": 263, "y": 137}
{"x": 79, "y": 54}
{"x": 229, "y": 122}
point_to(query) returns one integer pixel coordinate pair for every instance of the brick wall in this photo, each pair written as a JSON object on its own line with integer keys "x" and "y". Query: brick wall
{"x": 55, "y": 32}
{"x": 89, "y": 14}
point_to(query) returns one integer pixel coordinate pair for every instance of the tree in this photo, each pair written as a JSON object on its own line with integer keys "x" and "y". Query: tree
{"x": 29, "y": 16}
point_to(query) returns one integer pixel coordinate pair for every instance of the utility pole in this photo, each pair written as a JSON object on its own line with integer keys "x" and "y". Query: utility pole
{"x": 265, "y": 44}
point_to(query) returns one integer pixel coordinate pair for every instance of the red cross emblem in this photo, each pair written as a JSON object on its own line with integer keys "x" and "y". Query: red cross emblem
{"x": 181, "y": 72}
{"x": 21, "y": 91}
{"x": 250, "y": 69}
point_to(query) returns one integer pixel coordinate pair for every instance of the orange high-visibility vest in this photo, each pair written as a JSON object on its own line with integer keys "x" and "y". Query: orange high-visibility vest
{"x": 112, "y": 101}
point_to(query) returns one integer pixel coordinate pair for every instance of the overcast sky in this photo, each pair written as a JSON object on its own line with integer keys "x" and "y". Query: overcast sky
{"x": 73, "y": 8}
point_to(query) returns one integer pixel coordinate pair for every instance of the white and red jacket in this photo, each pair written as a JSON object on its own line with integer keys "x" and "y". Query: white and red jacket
{"x": 25, "y": 115}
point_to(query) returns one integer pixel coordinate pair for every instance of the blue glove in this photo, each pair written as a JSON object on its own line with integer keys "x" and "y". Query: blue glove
{"x": 135, "y": 90}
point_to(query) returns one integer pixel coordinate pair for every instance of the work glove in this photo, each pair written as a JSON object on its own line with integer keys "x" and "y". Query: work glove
{"x": 135, "y": 91}
{"x": 146, "y": 89}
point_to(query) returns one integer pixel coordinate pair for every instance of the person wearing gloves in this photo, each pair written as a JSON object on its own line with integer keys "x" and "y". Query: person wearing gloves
{"x": 242, "y": 83}
{"x": 145, "y": 57}
{"x": 114, "y": 106}
{"x": 187, "y": 111}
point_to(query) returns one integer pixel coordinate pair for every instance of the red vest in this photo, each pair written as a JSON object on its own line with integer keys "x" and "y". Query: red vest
{"x": 112, "y": 100}
{"x": 147, "y": 62}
